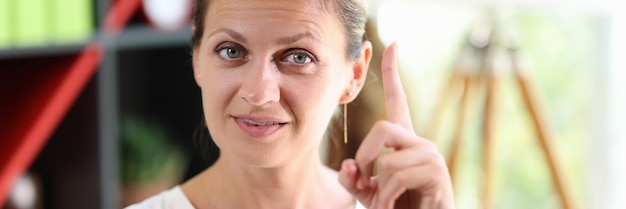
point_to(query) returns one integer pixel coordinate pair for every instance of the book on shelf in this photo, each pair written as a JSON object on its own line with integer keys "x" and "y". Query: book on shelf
{"x": 73, "y": 21}
{"x": 5, "y": 28}
{"x": 32, "y": 22}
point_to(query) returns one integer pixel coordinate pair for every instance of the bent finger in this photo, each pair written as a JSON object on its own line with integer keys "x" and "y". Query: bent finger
{"x": 383, "y": 134}
{"x": 403, "y": 159}
{"x": 348, "y": 177}
{"x": 414, "y": 178}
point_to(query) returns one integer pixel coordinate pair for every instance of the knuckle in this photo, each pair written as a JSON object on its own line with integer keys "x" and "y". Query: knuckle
{"x": 437, "y": 160}
{"x": 440, "y": 167}
{"x": 385, "y": 164}
{"x": 429, "y": 145}
{"x": 359, "y": 157}
{"x": 440, "y": 162}
{"x": 381, "y": 125}
{"x": 397, "y": 178}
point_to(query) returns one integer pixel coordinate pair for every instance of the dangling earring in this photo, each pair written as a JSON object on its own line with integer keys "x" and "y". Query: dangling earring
{"x": 345, "y": 121}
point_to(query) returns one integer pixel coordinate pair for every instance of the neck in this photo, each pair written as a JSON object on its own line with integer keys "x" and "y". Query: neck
{"x": 299, "y": 183}
{"x": 291, "y": 178}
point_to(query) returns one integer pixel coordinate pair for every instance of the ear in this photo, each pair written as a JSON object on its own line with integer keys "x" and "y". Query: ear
{"x": 358, "y": 74}
{"x": 196, "y": 70}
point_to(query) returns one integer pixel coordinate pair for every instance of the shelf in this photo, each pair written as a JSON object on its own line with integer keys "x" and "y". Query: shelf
{"x": 40, "y": 51}
{"x": 39, "y": 93}
{"x": 145, "y": 36}
{"x": 40, "y": 85}
{"x": 132, "y": 37}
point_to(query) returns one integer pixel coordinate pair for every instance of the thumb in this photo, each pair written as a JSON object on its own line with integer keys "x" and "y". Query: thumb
{"x": 348, "y": 178}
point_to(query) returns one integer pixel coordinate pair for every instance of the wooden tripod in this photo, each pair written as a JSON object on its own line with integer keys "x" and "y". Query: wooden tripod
{"x": 470, "y": 81}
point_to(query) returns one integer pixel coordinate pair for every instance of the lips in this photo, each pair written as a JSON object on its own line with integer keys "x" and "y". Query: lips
{"x": 259, "y": 127}
{"x": 260, "y": 123}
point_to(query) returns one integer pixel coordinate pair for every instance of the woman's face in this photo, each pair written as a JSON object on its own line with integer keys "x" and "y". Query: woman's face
{"x": 271, "y": 73}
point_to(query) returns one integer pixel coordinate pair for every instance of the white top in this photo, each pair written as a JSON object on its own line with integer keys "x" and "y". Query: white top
{"x": 170, "y": 199}
{"x": 176, "y": 199}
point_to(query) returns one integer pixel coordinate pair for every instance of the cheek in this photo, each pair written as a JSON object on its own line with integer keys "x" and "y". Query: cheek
{"x": 313, "y": 99}
{"x": 216, "y": 95}
{"x": 217, "y": 89}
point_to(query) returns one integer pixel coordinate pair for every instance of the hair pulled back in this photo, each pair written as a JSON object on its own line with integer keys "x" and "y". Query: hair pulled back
{"x": 353, "y": 16}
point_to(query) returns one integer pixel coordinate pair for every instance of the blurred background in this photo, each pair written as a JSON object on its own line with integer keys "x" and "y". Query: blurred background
{"x": 574, "y": 59}
{"x": 105, "y": 125}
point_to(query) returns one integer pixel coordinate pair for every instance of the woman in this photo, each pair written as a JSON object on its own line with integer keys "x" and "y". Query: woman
{"x": 272, "y": 74}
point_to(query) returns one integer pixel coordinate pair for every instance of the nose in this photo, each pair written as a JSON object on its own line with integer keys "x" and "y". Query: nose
{"x": 261, "y": 83}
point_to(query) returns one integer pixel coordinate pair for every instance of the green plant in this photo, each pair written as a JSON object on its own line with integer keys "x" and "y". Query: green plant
{"x": 147, "y": 154}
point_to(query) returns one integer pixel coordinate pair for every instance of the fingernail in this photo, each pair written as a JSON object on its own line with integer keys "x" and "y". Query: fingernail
{"x": 396, "y": 48}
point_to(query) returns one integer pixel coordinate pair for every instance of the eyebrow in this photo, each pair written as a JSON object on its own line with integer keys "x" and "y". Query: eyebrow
{"x": 234, "y": 34}
{"x": 297, "y": 37}
{"x": 286, "y": 40}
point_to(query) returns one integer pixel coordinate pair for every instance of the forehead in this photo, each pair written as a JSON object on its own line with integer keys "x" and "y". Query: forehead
{"x": 312, "y": 7}
{"x": 313, "y": 14}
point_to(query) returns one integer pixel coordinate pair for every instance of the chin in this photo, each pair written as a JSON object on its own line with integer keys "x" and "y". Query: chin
{"x": 274, "y": 155}
{"x": 254, "y": 154}
{"x": 273, "y": 151}
{"x": 264, "y": 159}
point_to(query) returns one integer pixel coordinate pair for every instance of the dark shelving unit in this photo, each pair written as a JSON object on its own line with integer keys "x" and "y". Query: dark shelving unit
{"x": 140, "y": 70}
{"x": 143, "y": 36}
{"x": 42, "y": 51}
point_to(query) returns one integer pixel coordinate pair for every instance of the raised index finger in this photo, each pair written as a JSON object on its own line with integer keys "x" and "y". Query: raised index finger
{"x": 395, "y": 98}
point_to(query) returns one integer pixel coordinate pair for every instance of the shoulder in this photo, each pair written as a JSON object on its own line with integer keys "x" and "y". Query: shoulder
{"x": 170, "y": 199}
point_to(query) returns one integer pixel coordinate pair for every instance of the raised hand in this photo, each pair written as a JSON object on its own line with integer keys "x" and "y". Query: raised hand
{"x": 413, "y": 174}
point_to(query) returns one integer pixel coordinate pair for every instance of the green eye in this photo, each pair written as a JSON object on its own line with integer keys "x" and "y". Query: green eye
{"x": 299, "y": 58}
{"x": 230, "y": 53}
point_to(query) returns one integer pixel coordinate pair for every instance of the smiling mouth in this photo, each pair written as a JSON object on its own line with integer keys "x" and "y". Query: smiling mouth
{"x": 261, "y": 123}
{"x": 259, "y": 127}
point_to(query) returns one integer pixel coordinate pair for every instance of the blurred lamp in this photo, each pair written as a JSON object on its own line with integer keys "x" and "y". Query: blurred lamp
{"x": 168, "y": 15}
{"x": 24, "y": 193}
